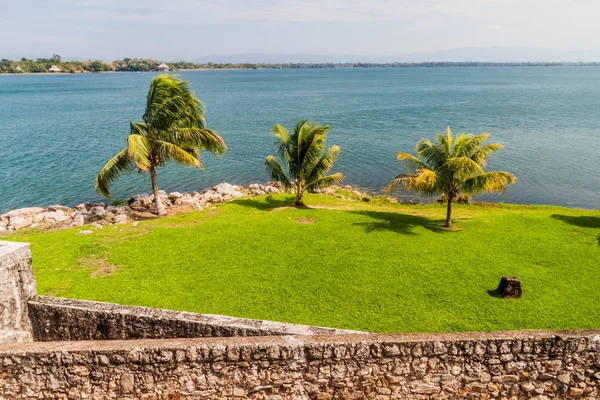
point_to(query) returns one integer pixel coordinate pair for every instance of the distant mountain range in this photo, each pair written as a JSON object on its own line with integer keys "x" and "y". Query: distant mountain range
{"x": 462, "y": 54}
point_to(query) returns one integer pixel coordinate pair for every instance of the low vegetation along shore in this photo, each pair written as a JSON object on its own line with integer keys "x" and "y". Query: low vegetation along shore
{"x": 349, "y": 261}
{"x": 42, "y": 65}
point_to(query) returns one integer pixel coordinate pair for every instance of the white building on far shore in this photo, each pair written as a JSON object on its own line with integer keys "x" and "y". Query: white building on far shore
{"x": 54, "y": 68}
{"x": 163, "y": 67}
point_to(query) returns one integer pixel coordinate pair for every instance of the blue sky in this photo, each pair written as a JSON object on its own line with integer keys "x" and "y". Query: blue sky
{"x": 187, "y": 29}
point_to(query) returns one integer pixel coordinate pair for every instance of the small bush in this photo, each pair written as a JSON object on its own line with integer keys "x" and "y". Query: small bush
{"x": 461, "y": 199}
{"x": 464, "y": 199}
{"x": 118, "y": 202}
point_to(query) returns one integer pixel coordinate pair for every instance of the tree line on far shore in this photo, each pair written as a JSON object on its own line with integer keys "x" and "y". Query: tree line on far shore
{"x": 127, "y": 64}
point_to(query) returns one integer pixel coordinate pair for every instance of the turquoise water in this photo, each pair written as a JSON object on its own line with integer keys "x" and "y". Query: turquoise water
{"x": 58, "y": 131}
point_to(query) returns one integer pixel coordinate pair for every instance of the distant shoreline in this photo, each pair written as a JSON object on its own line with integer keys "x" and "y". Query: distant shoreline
{"x": 289, "y": 66}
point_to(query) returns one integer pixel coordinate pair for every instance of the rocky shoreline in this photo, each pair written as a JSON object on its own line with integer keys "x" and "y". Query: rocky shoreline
{"x": 60, "y": 217}
{"x": 141, "y": 206}
{"x": 99, "y": 214}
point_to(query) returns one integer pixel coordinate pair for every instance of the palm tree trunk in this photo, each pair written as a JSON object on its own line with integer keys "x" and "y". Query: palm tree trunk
{"x": 299, "y": 202}
{"x": 299, "y": 192}
{"x": 449, "y": 211}
{"x": 160, "y": 208}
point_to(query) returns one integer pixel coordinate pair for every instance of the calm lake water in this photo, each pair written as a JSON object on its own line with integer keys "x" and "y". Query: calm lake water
{"x": 58, "y": 131}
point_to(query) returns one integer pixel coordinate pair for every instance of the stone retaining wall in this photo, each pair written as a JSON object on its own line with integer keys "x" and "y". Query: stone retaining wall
{"x": 64, "y": 319}
{"x": 17, "y": 286}
{"x": 509, "y": 365}
{"x": 280, "y": 361}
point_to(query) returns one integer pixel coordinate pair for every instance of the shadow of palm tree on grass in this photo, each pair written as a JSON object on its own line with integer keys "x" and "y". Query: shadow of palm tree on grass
{"x": 268, "y": 204}
{"x": 580, "y": 221}
{"x": 383, "y": 221}
{"x": 398, "y": 223}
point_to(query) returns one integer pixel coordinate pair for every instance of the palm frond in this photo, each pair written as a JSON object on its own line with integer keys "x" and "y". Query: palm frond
{"x": 311, "y": 143}
{"x": 425, "y": 181}
{"x": 433, "y": 154}
{"x": 275, "y": 171}
{"x": 325, "y": 181}
{"x": 201, "y": 138}
{"x": 489, "y": 182}
{"x": 461, "y": 168}
{"x": 138, "y": 128}
{"x": 171, "y": 104}
{"x": 410, "y": 162}
{"x": 172, "y": 152}
{"x": 324, "y": 164}
{"x": 445, "y": 142}
{"x": 120, "y": 164}
{"x": 282, "y": 141}
{"x": 481, "y": 155}
{"x": 139, "y": 150}
{"x": 402, "y": 180}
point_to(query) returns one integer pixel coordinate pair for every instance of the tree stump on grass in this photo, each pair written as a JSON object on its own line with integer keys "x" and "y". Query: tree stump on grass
{"x": 509, "y": 288}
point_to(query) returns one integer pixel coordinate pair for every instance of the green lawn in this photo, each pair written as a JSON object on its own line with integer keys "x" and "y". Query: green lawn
{"x": 348, "y": 264}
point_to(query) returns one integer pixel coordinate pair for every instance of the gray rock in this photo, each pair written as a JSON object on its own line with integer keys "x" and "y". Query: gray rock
{"x": 18, "y": 222}
{"x": 212, "y": 196}
{"x": 58, "y": 207}
{"x": 564, "y": 378}
{"x": 127, "y": 383}
{"x": 124, "y": 210}
{"x": 120, "y": 219}
{"x": 23, "y": 212}
{"x": 98, "y": 211}
{"x": 55, "y": 217}
{"x": 424, "y": 388}
{"x": 185, "y": 201}
{"x": 175, "y": 195}
{"x": 136, "y": 204}
{"x": 225, "y": 189}
{"x": 83, "y": 207}
{"x": 143, "y": 199}
{"x": 78, "y": 220}
{"x": 86, "y": 232}
{"x": 527, "y": 387}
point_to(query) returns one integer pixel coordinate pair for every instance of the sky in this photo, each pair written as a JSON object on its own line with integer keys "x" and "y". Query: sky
{"x": 188, "y": 29}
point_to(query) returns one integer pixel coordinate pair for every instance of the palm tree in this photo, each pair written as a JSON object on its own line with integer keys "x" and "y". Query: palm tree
{"x": 450, "y": 167}
{"x": 301, "y": 152}
{"x": 173, "y": 129}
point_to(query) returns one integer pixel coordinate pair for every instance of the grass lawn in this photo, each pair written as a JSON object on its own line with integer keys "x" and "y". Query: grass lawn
{"x": 347, "y": 264}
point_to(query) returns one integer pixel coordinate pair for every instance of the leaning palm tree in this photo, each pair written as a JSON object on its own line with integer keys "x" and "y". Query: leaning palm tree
{"x": 301, "y": 151}
{"x": 173, "y": 129}
{"x": 450, "y": 167}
